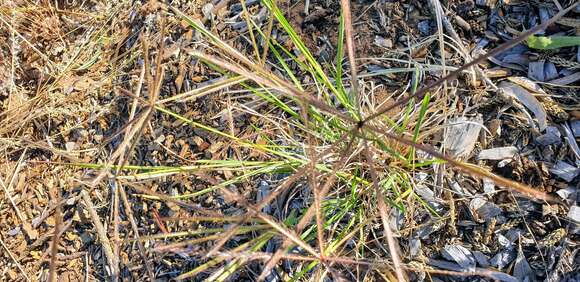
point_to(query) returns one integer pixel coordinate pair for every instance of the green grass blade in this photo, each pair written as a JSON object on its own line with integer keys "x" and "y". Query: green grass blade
{"x": 318, "y": 73}
{"x": 341, "y": 94}
{"x": 552, "y": 42}
{"x": 420, "y": 119}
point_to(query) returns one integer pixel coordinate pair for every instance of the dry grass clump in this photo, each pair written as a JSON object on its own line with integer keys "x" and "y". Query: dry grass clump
{"x": 145, "y": 143}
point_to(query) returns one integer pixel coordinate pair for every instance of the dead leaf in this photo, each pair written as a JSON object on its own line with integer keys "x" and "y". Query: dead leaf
{"x": 528, "y": 100}
{"x": 569, "y": 79}
{"x": 527, "y": 84}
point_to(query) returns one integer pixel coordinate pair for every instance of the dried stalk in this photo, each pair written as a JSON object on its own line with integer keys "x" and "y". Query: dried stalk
{"x": 270, "y": 197}
{"x": 56, "y": 236}
{"x": 309, "y": 213}
{"x": 102, "y": 234}
{"x": 11, "y": 183}
{"x": 382, "y": 206}
{"x": 346, "y": 13}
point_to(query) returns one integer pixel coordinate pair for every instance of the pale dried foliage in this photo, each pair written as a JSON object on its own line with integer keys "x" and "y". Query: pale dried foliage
{"x": 62, "y": 96}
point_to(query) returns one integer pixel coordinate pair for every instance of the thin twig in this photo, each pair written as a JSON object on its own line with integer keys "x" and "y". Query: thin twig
{"x": 7, "y": 189}
{"x": 120, "y": 189}
{"x": 170, "y": 199}
{"x": 115, "y": 218}
{"x": 558, "y": 5}
{"x": 452, "y": 210}
{"x": 56, "y": 236}
{"x": 346, "y": 13}
{"x": 14, "y": 260}
{"x": 102, "y": 234}
{"x": 246, "y": 16}
{"x": 382, "y": 206}
{"x": 266, "y": 46}
{"x": 131, "y": 217}
{"x": 311, "y": 152}
{"x": 87, "y": 268}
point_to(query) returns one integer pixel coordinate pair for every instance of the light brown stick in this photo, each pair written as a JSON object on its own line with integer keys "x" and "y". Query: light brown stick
{"x": 102, "y": 234}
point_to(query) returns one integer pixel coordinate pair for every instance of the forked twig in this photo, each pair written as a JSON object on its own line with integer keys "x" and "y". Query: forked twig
{"x": 309, "y": 213}
{"x": 119, "y": 189}
{"x": 269, "y": 198}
